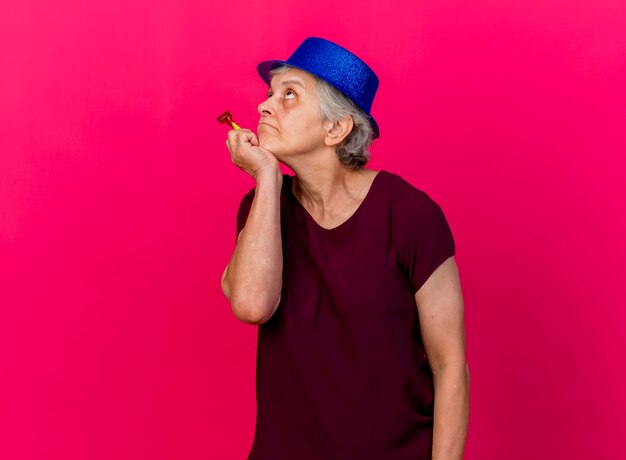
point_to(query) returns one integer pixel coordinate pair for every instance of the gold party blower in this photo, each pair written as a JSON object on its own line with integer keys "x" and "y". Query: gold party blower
{"x": 226, "y": 117}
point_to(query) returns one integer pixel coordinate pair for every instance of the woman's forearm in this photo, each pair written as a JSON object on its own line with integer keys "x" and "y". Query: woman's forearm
{"x": 254, "y": 276}
{"x": 451, "y": 412}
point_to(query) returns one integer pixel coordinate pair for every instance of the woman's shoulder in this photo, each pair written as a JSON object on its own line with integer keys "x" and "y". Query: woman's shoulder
{"x": 403, "y": 190}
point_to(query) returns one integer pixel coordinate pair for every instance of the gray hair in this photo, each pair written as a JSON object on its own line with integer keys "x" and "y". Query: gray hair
{"x": 353, "y": 151}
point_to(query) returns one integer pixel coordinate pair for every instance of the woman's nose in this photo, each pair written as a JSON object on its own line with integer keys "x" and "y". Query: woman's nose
{"x": 265, "y": 107}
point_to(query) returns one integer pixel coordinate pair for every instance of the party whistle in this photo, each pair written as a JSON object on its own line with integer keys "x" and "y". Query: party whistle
{"x": 226, "y": 117}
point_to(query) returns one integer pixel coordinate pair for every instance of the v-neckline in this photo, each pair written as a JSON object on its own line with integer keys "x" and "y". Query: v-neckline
{"x": 309, "y": 217}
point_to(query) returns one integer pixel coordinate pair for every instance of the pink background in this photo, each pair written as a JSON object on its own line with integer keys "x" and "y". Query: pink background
{"x": 118, "y": 202}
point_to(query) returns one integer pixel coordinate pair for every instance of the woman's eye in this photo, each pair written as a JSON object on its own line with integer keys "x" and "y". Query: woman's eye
{"x": 269, "y": 94}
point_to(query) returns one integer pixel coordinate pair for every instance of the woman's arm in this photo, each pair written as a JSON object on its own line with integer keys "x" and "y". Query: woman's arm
{"x": 252, "y": 281}
{"x": 440, "y": 307}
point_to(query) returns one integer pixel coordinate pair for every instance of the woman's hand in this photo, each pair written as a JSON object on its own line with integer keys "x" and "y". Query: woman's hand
{"x": 246, "y": 153}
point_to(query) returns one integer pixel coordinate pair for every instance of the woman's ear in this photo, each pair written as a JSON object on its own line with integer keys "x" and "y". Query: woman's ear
{"x": 338, "y": 130}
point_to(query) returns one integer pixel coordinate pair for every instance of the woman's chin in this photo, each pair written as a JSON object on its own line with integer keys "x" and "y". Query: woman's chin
{"x": 262, "y": 137}
{"x": 264, "y": 141}
{"x": 270, "y": 148}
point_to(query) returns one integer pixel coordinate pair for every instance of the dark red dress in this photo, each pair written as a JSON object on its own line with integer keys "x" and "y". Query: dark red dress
{"x": 341, "y": 368}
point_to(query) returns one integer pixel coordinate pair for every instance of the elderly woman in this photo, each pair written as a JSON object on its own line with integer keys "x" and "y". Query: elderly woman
{"x": 349, "y": 274}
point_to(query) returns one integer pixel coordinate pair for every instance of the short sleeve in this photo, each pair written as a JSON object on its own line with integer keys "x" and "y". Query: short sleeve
{"x": 244, "y": 210}
{"x": 426, "y": 239}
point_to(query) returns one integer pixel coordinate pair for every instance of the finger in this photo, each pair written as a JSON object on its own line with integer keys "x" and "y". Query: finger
{"x": 254, "y": 140}
{"x": 232, "y": 135}
{"x": 245, "y": 136}
{"x": 251, "y": 138}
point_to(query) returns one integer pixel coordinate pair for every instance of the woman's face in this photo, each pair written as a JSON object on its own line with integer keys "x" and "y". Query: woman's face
{"x": 290, "y": 121}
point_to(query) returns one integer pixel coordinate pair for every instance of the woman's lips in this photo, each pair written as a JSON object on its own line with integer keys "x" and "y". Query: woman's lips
{"x": 266, "y": 124}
